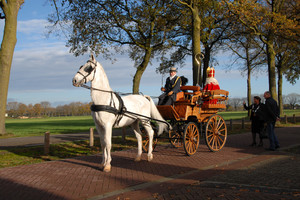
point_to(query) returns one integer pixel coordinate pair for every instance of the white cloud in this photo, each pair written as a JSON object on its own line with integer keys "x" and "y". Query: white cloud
{"x": 34, "y": 26}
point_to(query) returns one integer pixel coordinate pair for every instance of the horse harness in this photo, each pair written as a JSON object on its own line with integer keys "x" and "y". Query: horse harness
{"x": 119, "y": 112}
{"x": 109, "y": 108}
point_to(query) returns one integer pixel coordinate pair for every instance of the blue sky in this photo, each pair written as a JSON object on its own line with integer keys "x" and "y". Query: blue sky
{"x": 43, "y": 68}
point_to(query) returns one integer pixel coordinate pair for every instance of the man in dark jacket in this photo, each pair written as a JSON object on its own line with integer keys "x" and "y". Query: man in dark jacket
{"x": 257, "y": 119}
{"x": 172, "y": 87}
{"x": 271, "y": 111}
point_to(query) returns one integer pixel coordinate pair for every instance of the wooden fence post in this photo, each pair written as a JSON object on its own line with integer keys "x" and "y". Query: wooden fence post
{"x": 294, "y": 118}
{"x": 91, "y": 137}
{"x": 243, "y": 123}
{"x": 285, "y": 119}
{"x": 47, "y": 143}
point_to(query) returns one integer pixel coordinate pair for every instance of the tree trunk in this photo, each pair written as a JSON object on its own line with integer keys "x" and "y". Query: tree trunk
{"x": 10, "y": 9}
{"x": 139, "y": 72}
{"x": 249, "y": 87}
{"x": 271, "y": 67}
{"x": 197, "y": 79}
{"x": 280, "y": 101}
{"x": 206, "y": 59}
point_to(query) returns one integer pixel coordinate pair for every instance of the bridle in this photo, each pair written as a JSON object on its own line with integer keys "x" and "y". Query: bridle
{"x": 89, "y": 72}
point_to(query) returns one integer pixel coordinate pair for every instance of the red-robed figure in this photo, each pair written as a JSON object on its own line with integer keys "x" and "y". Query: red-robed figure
{"x": 211, "y": 83}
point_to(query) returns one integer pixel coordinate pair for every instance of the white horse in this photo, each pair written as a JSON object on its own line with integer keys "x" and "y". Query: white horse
{"x": 107, "y": 111}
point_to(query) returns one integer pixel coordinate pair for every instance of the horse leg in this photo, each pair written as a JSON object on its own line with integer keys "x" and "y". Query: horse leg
{"x": 138, "y": 135}
{"x": 107, "y": 148}
{"x": 100, "y": 131}
{"x": 150, "y": 133}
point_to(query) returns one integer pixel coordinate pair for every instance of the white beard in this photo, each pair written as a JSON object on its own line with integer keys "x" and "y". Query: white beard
{"x": 211, "y": 80}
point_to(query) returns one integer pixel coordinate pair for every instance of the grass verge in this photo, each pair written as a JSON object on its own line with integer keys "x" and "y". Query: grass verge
{"x": 16, "y": 156}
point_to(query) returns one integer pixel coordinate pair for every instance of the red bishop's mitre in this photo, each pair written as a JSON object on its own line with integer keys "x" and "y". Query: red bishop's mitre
{"x": 210, "y": 72}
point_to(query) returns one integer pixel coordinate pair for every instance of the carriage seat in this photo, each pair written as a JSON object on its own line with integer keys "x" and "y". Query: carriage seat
{"x": 195, "y": 89}
{"x": 185, "y": 95}
{"x": 180, "y": 96}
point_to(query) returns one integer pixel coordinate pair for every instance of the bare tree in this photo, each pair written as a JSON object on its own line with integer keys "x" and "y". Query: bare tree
{"x": 292, "y": 99}
{"x": 236, "y": 103}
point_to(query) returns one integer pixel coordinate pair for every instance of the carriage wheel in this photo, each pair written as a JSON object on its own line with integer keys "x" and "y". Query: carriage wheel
{"x": 145, "y": 139}
{"x": 215, "y": 133}
{"x": 175, "y": 138}
{"x": 191, "y": 138}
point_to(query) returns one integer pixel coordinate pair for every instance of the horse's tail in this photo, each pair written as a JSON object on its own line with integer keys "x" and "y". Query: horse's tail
{"x": 162, "y": 124}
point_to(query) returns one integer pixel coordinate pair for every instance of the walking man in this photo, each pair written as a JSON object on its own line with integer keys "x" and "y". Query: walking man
{"x": 271, "y": 111}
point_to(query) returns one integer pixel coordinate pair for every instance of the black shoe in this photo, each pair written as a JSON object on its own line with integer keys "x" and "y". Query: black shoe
{"x": 270, "y": 149}
{"x": 260, "y": 144}
{"x": 277, "y": 147}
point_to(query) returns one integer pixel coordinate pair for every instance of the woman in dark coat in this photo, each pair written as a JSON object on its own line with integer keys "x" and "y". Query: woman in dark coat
{"x": 256, "y": 117}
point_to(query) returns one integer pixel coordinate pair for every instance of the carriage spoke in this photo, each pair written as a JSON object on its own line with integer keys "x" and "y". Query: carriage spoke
{"x": 222, "y": 124}
{"x": 224, "y": 135}
{"x": 218, "y": 122}
{"x": 218, "y": 140}
{"x": 222, "y": 129}
{"x": 211, "y": 141}
{"x": 221, "y": 139}
{"x": 210, "y": 130}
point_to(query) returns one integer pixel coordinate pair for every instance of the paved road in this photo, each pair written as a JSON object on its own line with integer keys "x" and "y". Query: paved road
{"x": 236, "y": 172}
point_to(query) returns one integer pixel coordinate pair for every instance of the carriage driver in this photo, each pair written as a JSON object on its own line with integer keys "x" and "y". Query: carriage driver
{"x": 172, "y": 87}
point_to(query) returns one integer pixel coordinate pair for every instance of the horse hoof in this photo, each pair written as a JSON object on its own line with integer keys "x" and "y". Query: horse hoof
{"x": 150, "y": 158}
{"x": 137, "y": 159}
{"x": 107, "y": 168}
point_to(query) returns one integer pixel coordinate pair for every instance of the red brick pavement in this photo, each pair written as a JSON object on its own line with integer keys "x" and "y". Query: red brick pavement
{"x": 80, "y": 178}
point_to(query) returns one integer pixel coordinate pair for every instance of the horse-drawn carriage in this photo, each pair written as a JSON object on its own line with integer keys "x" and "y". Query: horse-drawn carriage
{"x": 193, "y": 110}
{"x": 194, "y": 114}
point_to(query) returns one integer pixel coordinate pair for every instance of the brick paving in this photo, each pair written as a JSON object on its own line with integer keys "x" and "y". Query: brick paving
{"x": 236, "y": 172}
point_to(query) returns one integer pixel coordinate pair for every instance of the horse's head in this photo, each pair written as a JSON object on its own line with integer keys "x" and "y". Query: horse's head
{"x": 86, "y": 72}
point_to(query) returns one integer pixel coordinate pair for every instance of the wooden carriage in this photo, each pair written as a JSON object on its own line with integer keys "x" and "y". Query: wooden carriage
{"x": 194, "y": 114}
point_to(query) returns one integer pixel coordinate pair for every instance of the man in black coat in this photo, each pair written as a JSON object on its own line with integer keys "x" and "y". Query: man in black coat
{"x": 172, "y": 87}
{"x": 271, "y": 111}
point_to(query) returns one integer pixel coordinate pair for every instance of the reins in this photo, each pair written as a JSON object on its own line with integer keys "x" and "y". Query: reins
{"x": 92, "y": 88}
{"x": 108, "y": 91}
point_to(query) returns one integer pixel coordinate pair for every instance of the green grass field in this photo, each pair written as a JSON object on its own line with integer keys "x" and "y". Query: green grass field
{"x": 77, "y": 124}
{"x": 56, "y": 125}
{"x": 15, "y": 156}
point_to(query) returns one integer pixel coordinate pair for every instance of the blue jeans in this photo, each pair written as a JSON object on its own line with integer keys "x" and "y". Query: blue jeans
{"x": 272, "y": 137}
